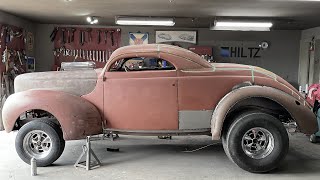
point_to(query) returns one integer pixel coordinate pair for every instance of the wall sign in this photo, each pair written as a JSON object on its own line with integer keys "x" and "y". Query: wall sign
{"x": 245, "y": 52}
{"x": 30, "y": 41}
{"x": 240, "y": 52}
{"x": 138, "y": 38}
{"x": 176, "y": 36}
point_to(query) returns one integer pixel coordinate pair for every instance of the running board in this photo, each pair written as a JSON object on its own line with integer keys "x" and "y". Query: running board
{"x": 159, "y": 132}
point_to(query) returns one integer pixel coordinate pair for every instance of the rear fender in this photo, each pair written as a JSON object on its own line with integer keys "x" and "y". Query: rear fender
{"x": 298, "y": 108}
{"x": 77, "y": 116}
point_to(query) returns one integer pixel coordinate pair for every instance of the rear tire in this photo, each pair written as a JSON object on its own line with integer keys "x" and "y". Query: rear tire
{"x": 257, "y": 142}
{"x": 40, "y": 139}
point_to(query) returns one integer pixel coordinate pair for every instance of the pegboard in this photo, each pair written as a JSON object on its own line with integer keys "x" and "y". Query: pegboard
{"x": 14, "y": 39}
{"x": 13, "y": 57}
{"x": 68, "y": 43}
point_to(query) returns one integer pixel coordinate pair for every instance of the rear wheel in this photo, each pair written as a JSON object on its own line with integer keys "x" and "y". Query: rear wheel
{"x": 256, "y": 142}
{"x": 40, "y": 139}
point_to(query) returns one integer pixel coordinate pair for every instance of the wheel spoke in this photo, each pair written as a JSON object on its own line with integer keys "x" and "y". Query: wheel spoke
{"x": 36, "y": 137}
{"x": 258, "y": 147}
{"x": 46, "y": 140}
{"x": 262, "y": 138}
{"x": 33, "y": 141}
{"x": 247, "y": 137}
{"x": 254, "y": 132}
{"x": 45, "y": 148}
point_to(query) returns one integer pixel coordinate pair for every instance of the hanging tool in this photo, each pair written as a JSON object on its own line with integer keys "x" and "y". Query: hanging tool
{"x": 54, "y": 34}
{"x": 99, "y": 36}
{"x": 89, "y": 34}
{"x": 7, "y": 32}
{"x": 73, "y": 30}
{"x": 19, "y": 57}
{"x": 106, "y": 37}
{"x": 112, "y": 38}
{"x": 63, "y": 35}
{"x": 103, "y": 56}
{"x": 82, "y": 38}
{"x": 68, "y": 35}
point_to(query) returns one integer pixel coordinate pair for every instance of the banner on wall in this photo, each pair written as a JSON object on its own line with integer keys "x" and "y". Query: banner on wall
{"x": 138, "y": 38}
{"x": 176, "y": 36}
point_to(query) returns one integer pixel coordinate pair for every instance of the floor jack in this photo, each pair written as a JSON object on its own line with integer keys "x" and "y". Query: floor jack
{"x": 315, "y": 138}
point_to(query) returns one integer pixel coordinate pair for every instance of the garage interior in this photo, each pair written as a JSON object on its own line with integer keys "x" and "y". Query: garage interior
{"x": 36, "y": 31}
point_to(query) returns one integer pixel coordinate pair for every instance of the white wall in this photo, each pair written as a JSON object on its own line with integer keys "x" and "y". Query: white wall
{"x": 304, "y": 62}
{"x": 282, "y": 57}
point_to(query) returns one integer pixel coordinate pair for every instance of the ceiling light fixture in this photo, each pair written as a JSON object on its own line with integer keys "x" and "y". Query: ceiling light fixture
{"x": 241, "y": 25}
{"x": 92, "y": 20}
{"x": 144, "y": 21}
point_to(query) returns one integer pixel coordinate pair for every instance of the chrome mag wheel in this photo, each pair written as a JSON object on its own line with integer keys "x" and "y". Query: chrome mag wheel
{"x": 257, "y": 143}
{"x": 37, "y": 144}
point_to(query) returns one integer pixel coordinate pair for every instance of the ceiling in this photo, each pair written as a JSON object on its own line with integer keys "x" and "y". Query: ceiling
{"x": 286, "y": 14}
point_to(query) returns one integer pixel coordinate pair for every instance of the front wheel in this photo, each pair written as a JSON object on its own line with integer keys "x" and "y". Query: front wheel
{"x": 256, "y": 142}
{"x": 40, "y": 139}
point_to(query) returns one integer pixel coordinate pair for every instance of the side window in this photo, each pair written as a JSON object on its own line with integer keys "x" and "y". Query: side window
{"x": 141, "y": 64}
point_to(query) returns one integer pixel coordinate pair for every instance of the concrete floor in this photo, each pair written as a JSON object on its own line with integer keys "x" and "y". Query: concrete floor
{"x": 153, "y": 158}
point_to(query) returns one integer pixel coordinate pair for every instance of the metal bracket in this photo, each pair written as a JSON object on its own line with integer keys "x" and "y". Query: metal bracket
{"x": 88, "y": 164}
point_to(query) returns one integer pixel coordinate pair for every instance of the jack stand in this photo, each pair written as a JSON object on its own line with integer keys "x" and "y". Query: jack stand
{"x": 87, "y": 151}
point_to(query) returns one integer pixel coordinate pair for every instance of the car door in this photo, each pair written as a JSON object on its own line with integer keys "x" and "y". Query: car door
{"x": 141, "y": 99}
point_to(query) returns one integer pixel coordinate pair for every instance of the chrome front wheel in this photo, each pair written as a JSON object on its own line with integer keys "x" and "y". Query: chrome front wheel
{"x": 257, "y": 143}
{"x": 41, "y": 139}
{"x": 37, "y": 144}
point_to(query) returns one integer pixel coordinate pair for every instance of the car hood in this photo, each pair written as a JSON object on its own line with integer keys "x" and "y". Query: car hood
{"x": 78, "y": 82}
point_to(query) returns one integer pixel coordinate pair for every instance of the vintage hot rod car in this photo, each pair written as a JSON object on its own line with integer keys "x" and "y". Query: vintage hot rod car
{"x": 159, "y": 90}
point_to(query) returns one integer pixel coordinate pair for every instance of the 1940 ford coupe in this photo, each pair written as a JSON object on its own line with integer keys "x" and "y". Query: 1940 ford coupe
{"x": 159, "y": 90}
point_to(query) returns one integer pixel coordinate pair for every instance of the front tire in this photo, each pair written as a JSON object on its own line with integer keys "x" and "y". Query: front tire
{"x": 40, "y": 139}
{"x": 257, "y": 142}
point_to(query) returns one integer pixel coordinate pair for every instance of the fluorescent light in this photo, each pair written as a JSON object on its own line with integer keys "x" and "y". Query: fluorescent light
{"x": 144, "y": 21}
{"x": 242, "y": 26}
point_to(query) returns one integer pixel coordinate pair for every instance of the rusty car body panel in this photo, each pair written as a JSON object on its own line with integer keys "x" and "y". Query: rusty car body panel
{"x": 194, "y": 97}
{"x": 77, "y": 116}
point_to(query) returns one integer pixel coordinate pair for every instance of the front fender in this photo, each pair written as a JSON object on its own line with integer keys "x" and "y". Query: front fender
{"x": 77, "y": 116}
{"x": 298, "y": 108}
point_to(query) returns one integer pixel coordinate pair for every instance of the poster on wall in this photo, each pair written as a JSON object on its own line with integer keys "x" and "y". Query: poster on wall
{"x": 138, "y": 38}
{"x": 176, "y": 36}
{"x": 30, "y": 42}
{"x": 31, "y": 64}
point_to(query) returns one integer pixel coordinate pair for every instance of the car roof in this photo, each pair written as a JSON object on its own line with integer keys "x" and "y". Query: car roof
{"x": 155, "y": 49}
